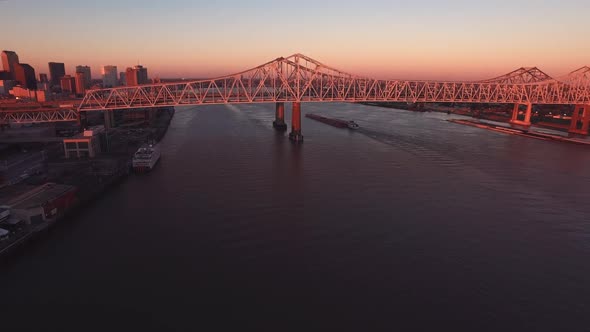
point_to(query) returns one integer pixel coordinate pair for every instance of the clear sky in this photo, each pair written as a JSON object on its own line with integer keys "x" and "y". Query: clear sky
{"x": 415, "y": 39}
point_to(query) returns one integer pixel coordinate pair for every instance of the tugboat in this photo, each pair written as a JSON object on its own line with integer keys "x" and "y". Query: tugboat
{"x": 352, "y": 125}
{"x": 146, "y": 158}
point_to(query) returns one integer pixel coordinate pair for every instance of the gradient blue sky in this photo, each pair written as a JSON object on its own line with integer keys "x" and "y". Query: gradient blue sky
{"x": 385, "y": 39}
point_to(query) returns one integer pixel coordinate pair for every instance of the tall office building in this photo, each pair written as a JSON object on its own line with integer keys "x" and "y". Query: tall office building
{"x": 123, "y": 78}
{"x": 87, "y": 75}
{"x": 136, "y": 75}
{"x": 57, "y": 70}
{"x": 80, "y": 83}
{"x": 109, "y": 76}
{"x": 25, "y": 76}
{"x": 68, "y": 84}
{"x": 43, "y": 78}
{"x": 9, "y": 62}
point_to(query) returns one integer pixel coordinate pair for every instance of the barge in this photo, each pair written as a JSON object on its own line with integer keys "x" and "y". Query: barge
{"x": 333, "y": 122}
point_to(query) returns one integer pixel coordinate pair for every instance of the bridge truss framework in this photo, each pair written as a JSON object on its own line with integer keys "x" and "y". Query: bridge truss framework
{"x": 301, "y": 79}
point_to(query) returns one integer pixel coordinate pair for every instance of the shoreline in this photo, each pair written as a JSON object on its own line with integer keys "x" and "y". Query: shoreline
{"x": 86, "y": 195}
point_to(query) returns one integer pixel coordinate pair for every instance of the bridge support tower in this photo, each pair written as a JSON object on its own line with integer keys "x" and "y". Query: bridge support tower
{"x": 581, "y": 113}
{"x": 515, "y": 122}
{"x": 279, "y": 122}
{"x": 295, "y": 134}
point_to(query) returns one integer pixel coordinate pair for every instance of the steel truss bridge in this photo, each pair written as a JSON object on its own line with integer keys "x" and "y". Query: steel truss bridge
{"x": 38, "y": 115}
{"x": 301, "y": 79}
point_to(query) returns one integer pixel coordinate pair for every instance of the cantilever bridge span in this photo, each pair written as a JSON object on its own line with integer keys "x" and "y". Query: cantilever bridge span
{"x": 299, "y": 79}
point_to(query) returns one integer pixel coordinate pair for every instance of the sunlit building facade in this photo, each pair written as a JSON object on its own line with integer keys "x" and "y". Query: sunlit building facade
{"x": 9, "y": 62}
{"x": 24, "y": 74}
{"x": 68, "y": 84}
{"x": 109, "y": 76}
{"x": 80, "y": 83}
{"x": 136, "y": 75}
{"x": 87, "y": 75}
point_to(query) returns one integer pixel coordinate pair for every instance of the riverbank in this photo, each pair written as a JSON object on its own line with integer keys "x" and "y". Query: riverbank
{"x": 496, "y": 113}
{"x": 518, "y": 132}
{"x": 37, "y": 205}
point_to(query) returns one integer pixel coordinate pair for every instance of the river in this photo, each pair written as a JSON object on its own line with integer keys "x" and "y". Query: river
{"x": 410, "y": 223}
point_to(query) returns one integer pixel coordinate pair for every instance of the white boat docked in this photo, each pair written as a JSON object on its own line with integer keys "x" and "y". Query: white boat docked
{"x": 146, "y": 158}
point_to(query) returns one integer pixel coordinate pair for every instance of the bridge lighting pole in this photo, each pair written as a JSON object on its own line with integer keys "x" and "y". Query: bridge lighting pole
{"x": 279, "y": 122}
{"x": 295, "y": 134}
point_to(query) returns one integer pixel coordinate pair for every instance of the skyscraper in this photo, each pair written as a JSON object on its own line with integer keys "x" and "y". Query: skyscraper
{"x": 136, "y": 75}
{"x": 43, "y": 78}
{"x": 109, "y": 76}
{"x": 87, "y": 75}
{"x": 80, "y": 83}
{"x": 57, "y": 70}
{"x": 25, "y": 76}
{"x": 9, "y": 62}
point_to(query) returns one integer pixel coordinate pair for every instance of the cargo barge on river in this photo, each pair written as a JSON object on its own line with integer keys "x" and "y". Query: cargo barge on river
{"x": 333, "y": 122}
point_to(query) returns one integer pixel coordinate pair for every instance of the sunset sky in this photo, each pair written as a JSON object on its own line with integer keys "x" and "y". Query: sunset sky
{"x": 385, "y": 39}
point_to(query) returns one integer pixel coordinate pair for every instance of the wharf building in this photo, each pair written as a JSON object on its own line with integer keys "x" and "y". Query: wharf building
{"x": 87, "y": 75}
{"x": 109, "y": 76}
{"x": 57, "y": 70}
{"x": 9, "y": 62}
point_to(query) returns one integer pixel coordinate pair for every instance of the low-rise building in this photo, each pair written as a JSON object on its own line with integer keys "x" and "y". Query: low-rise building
{"x": 20, "y": 92}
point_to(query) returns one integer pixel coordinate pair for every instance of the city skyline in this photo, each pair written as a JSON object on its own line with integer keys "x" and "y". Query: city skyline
{"x": 423, "y": 40}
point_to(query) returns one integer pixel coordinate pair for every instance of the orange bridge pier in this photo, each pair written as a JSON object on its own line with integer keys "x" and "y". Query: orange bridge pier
{"x": 280, "y": 125}
{"x": 579, "y": 126}
{"x": 279, "y": 122}
{"x": 581, "y": 114}
{"x": 295, "y": 134}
